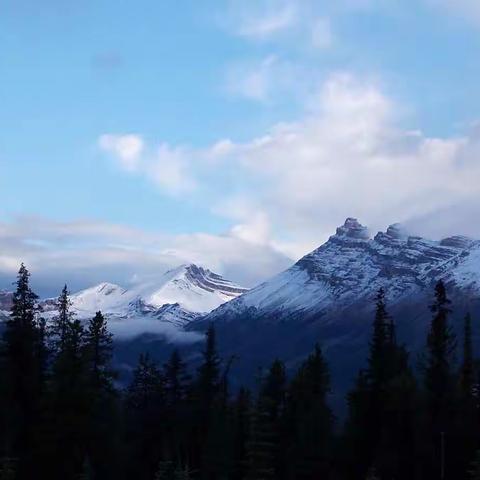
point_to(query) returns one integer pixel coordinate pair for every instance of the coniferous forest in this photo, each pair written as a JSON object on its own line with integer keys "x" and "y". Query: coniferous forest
{"x": 64, "y": 415}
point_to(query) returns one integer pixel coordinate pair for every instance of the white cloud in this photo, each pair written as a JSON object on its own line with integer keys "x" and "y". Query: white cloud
{"x": 126, "y": 149}
{"x": 322, "y": 36}
{"x": 305, "y": 24}
{"x": 347, "y": 156}
{"x": 270, "y": 80}
{"x": 82, "y": 253}
{"x": 270, "y": 19}
{"x": 252, "y": 80}
{"x": 169, "y": 168}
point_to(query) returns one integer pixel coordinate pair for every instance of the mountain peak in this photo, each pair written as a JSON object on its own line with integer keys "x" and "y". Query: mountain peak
{"x": 397, "y": 231}
{"x": 352, "y": 228}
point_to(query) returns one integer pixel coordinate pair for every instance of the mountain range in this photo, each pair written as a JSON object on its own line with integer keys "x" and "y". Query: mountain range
{"x": 325, "y": 297}
{"x": 328, "y": 297}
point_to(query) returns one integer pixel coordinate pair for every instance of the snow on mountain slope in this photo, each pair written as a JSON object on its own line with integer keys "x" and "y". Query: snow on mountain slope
{"x": 350, "y": 267}
{"x": 177, "y": 297}
{"x": 106, "y": 297}
{"x": 163, "y": 306}
{"x": 193, "y": 288}
{"x": 5, "y": 301}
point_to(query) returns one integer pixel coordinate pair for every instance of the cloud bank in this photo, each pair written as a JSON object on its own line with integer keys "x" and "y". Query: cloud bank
{"x": 349, "y": 155}
{"x": 84, "y": 253}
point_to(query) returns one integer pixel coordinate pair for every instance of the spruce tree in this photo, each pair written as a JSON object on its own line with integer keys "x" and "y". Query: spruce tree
{"x": 467, "y": 430}
{"x": 474, "y": 471}
{"x": 103, "y": 428}
{"x": 205, "y": 395}
{"x": 380, "y": 345}
{"x": 467, "y": 370}
{"x": 382, "y": 404}
{"x": 357, "y": 450}
{"x": 208, "y": 379}
{"x": 145, "y": 406}
{"x": 264, "y": 454}
{"x": 310, "y": 420}
{"x": 178, "y": 411}
{"x": 98, "y": 345}
{"x": 241, "y": 428}
{"x": 23, "y": 374}
{"x": 63, "y": 319}
{"x": 439, "y": 378}
{"x": 7, "y": 469}
{"x": 69, "y": 392}
{"x": 441, "y": 344}
{"x": 176, "y": 379}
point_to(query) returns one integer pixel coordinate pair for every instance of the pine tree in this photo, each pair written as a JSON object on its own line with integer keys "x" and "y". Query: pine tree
{"x": 176, "y": 379}
{"x": 205, "y": 394}
{"x": 23, "y": 374}
{"x": 145, "y": 404}
{"x": 98, "y": 354}
{"x": 311, "y": 420}
{"x": 101, "y": 398}
{"x": 380, "y": 427}
{"x": 441, "y": 344}
{"x": 380, "y": 345}
{"x": 165, "y": 471}
{"x": 87, "y": 473}
{"x": 7, "y": 469}
{"x": 182, "y": 473}
{"x": 63, "y": 319}
{"x": 466, "y": 429}
{"x": 217, "y": 460}
{"x": 241, "y": 429}
{"x": 208, "y": 373}
{"x": 474, "y": 472}
{"x": 178, "y": 416}
{"x": 467, "y": 371}
{"x": 439, "y": 378}
{"x": 265, "y": 459}
{"x": 69, "y": 393}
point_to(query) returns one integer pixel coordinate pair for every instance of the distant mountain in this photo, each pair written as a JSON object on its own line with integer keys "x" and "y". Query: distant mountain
{"x": 177, "y": 298}
{"x": 350, "y": 267}
{"x": 5, "y": 300}
{"x": 327, "y": 297}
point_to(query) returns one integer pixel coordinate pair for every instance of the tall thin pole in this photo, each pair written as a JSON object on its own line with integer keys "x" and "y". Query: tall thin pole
{"x": 442, "y": 456}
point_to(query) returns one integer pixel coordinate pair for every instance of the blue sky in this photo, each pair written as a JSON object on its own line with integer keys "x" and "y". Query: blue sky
{"x": 236, "y": 134}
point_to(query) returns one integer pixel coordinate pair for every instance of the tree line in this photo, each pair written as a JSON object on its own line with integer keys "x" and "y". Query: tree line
{"x": 63, "y": 415}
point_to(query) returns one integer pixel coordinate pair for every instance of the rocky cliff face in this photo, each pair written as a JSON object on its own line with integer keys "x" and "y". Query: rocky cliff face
{"x": 350, "y": 267}
{"x": 328, "y": 297}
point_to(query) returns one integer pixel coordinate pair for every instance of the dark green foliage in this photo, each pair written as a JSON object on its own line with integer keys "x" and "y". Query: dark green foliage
{"x": 264, "y": 447}
{"x": 474, "y": 471}
{"x": 208, "y": 380}
{"x": 144, "y": 401}
{"x": 440, "y": 382}
{"x": 441, "y": 344}
{"x": 63, "y": 418}
{"x": 7, "y": 469}
{"x": 23, "y": 364}
{"x": 310, "y": 420}
{"x": 241, "y": 433}
{"x": 380, "y": 430}
{"x": 467, "y": 370}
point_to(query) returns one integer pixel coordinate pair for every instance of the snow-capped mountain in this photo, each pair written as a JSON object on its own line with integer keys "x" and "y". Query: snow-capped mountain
{"x": 328, "y": 297}
{"x": 178, "y": 296}
{"x": 350, "y": 267}
{"x": 6, "y": 298}
{"x": 191, "y": 288}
